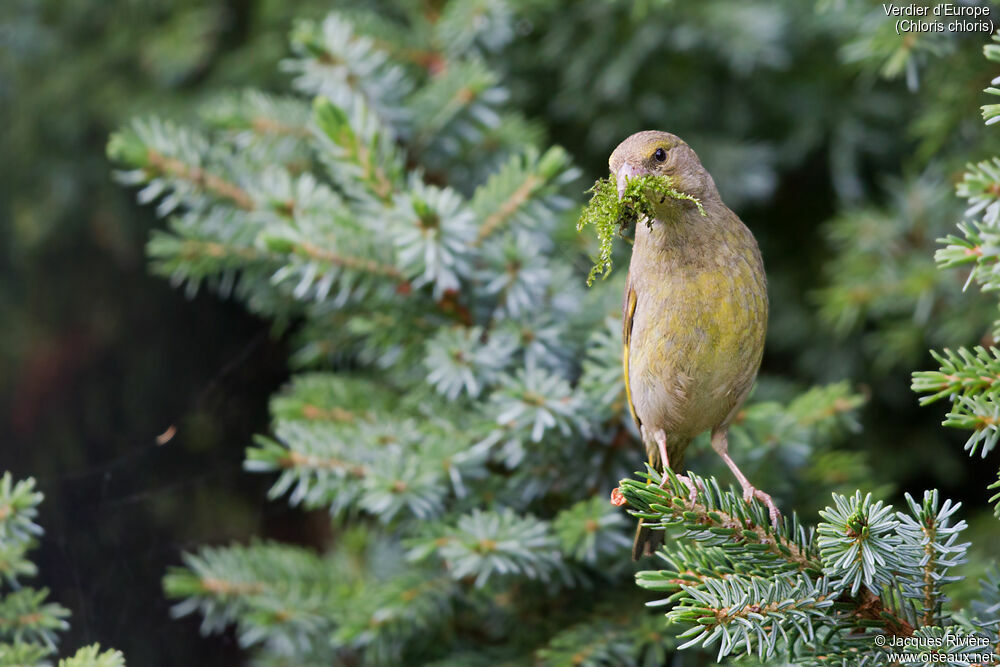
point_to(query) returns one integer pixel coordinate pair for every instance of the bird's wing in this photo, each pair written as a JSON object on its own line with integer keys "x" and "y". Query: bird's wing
{"x": 628, "y": 314}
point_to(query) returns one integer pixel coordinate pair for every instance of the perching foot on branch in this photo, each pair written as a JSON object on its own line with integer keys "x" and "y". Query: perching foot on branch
{"x": 720, "y": 444}
{"x": 661, "y": 442}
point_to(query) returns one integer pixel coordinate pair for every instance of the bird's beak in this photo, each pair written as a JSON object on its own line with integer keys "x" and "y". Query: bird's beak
{"x": 625, "y": 172}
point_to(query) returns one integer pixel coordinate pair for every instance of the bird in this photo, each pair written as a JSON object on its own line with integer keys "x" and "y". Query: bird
{"x": 694, "y": 314}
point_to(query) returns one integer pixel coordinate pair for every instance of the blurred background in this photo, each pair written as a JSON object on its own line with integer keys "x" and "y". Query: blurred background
{"x": 837, "y": 142}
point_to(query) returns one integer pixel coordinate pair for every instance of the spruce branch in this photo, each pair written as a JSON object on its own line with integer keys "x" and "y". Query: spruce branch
{"x": 23, "y": 654}
{"x": 516, "y": 273}
{"x": 433, "y": 230}
{"x": 455, "y": 108}
{"x": 171, "y": 163}
{"x": 476, "y": 25}
{"x": 590, "y": 529}
{"x": 985, "y": 610}
{"x": 753, "y": 614}
{"x": 366, "y": 153}
{"x": 733, "y": 579}
{"x": 276, "y": 594}
{"x": 602, "y": 371}
{"x": 18, "y": 509}
{"x": 25, "y": 617}
{"x": 172, "y": 167}
{"x": 383, "y": 620}
{"x": 467, "y": 360}
{"x": 92, "y": 656}
{"x": 382, "y": 466}
{"x": 971, "y": 379}
{"x": 423, "y": 254}
{"x": 859, "y": 544}
{"x": 720, "y": 518}
{"x": 963, "y": 372}
{"x": 333, "y": 61}
{"x": 996, "y": 497}
{"x": 928, "y": 528}
{"x": 523, "y": 192}
{"x": 529, "y": 404}
{"x": 981, "y": 187}
{"x": 259, "y": 113}
{"x": 335, "y": 397}
{"x": 486, "y": 544}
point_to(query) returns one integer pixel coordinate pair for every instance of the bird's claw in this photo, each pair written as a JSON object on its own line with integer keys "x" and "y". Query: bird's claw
{"x": 749, "y": 493}
{"x": 686, "y": 481}
{"x": 692, "y": 487}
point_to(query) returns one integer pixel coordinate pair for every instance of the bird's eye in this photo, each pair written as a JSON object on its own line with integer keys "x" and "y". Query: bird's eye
{"x": 660, "y": 155}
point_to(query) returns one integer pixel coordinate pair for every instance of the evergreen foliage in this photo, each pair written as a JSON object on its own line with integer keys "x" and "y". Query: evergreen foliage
{"x": 465, "y": 418}
{"x": 809, "y": 595}
{"x": 968, "y": 376}
{"x": 816, "y": 596}
{"x": 29, "y": 624}
{"x": 458, "y": 408}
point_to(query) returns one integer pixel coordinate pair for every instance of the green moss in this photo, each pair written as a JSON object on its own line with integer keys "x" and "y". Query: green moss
{"x": 610, "y": 215}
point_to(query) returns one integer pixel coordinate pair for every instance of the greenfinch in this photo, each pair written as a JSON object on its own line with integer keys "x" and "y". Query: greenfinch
{"x": 694, "y": 313}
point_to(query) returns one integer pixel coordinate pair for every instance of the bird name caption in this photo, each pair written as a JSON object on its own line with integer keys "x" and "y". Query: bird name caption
{"x": 943, "y": 17}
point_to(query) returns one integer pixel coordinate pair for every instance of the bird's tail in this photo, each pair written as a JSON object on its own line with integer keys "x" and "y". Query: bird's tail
{"x": 647, "y": 541}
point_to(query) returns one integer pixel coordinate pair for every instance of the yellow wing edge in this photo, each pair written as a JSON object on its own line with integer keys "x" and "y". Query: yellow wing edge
{"x": 630, "y": 301}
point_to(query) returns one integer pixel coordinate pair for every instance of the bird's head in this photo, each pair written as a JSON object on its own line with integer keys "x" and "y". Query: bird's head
{"x": 655, "y": 152}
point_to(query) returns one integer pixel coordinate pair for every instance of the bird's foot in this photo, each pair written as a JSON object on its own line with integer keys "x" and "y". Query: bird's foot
{"x": 749, "y": 493}
{"x": 692, "y": 487}
{"x": 686, "y": 481}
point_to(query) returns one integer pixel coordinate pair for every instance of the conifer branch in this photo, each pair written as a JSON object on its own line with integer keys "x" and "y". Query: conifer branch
{"x": 519, "y": 189}
{"x": 191, "y": 250}
{"x": 29, "y": 624}
{"x": 507, "y": 209}
{"x": 309, "y": 462}
{"x": 92, "y": 656}
{"x": 354, "y": 148}
{"x": 864, "y": 568}
{"x": 996, "y": 497}
{"x": 199, "y": 177}
{"x": 312, "y": 251}
{"x": 721, "y": 518}
{"x": 419, "y": 246}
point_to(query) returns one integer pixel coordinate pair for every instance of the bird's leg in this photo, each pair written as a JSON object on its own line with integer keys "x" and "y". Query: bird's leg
{"x": 720, "y": 444}
{"x": 661, "y": 442}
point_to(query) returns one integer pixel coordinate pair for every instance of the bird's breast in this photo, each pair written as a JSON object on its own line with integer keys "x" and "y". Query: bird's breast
{"x": 698, "y": 329}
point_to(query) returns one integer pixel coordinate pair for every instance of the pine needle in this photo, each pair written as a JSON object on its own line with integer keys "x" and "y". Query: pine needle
{"x": 610, "y": 215}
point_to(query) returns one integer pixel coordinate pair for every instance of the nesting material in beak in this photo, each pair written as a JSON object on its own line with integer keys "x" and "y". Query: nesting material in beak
{"x": 625, "y": 172}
